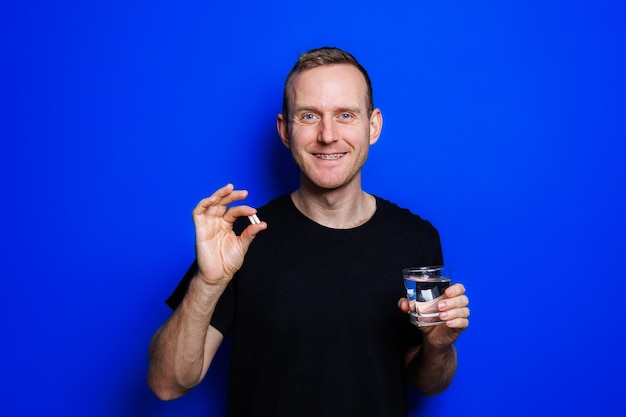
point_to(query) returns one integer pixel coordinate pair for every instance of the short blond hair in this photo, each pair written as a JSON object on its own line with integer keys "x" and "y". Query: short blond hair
{"x": 325, "y": 56}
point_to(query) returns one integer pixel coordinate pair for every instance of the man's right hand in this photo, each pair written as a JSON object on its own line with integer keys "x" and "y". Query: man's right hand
{"x": 219, "y": 251}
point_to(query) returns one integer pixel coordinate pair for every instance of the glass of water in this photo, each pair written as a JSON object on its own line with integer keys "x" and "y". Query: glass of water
{"x": 424, "y": 289}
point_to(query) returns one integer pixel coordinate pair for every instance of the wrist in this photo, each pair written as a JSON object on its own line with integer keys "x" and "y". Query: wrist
{"x": 211, "y": 282}
{"x": 202, "y": 296}
{"x": 435, "y": 347}
{"x": 207, "y": 287}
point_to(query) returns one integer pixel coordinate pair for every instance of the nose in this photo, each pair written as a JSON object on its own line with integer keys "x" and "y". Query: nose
{"x": 328, "y": 131}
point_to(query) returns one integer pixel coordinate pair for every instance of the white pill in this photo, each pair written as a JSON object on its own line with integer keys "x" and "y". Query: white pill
{"x": 254, "y": 219}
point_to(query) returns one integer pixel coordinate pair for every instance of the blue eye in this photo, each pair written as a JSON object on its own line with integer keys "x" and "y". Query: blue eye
{"x": 346, "y": 116}
{"x": 308, "y": 116}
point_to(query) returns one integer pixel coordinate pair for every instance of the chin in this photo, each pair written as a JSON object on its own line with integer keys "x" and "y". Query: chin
{"x": 328, "y": 184}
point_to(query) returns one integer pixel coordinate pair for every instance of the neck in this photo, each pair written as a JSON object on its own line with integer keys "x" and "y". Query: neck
{"x": 337, "y": 209}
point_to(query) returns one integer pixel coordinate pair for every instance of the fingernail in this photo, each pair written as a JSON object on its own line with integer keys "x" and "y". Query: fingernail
{"x": 443, "y": 315}
{"x": 442, "y": 305}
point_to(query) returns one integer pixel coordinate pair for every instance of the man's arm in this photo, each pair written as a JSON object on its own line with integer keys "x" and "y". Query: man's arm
{"x": 431, "y": 366}
{"x": 430, "y": 369}
{"x": 182, "y": 349}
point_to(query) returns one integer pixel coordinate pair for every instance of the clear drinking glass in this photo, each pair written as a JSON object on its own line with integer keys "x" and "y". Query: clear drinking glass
{"x": 424, "y": 289}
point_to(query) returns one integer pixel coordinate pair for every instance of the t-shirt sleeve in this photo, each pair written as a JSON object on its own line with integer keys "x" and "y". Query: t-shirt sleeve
{"x": 436, "y": 249}
{"x": 224, "y": 311}
{"x": 177, "y": 296}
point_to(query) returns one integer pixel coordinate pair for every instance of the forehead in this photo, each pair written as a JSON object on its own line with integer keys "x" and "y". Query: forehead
{"x": 339, "y": 84}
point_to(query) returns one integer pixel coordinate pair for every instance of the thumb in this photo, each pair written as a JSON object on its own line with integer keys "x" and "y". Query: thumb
{"x": 249, "y": 233}
{"x": 403, "y": 304}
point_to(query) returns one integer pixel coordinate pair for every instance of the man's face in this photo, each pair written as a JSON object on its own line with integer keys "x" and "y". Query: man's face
{"x": 329, "y": 131}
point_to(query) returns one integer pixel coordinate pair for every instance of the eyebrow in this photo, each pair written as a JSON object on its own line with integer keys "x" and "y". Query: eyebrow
{"x": 339, "y": 110}
{"x": 305, "y": 108}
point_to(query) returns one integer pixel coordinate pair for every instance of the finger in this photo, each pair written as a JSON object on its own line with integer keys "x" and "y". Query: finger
{"x": 461, "y": 313}
{"x": 235, "y": 212}
{"x": 455, "y": 290}
{"x": 459, "y": 323}
{"x": 403, "y": 304}
{"x": 217, "y": 196}
{"x": 234, "y": 195}
{"x": 224, "y": 191}
{"x": 452, "y": 303}
{"x": 227, "y": 194}
{"x": 219, "y": 200}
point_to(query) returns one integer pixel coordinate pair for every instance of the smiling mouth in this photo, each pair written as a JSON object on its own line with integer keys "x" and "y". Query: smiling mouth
{"x": 327, "y": 157}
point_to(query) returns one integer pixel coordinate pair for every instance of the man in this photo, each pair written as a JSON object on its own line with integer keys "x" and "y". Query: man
{"x": 313, "y": 294}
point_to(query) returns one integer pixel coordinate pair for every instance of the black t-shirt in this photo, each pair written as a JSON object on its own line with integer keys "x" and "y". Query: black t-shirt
{"x": 314, "y": 317}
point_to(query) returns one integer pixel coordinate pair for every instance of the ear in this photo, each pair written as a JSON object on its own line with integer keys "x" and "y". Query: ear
{"x": 283, "y": 130}
{"x": 376, "y": 125}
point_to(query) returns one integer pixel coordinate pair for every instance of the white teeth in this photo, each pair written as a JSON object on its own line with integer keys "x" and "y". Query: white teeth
{"x": 327, "y": 156}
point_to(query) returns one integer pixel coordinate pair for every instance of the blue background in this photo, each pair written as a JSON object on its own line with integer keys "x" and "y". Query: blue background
{"x": 504, "y": 126}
